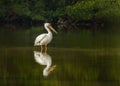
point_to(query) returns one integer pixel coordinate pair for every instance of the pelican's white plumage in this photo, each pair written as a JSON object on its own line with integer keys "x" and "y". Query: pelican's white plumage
{"x": 45, "y": 38}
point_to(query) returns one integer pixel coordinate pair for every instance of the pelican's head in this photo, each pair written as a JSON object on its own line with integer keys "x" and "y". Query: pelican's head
{"x": 46, "y": 72}
{"x": 48, "y": 25}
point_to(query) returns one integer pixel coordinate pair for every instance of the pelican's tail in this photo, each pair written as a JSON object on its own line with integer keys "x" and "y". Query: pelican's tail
{"x": 36, "y": 43}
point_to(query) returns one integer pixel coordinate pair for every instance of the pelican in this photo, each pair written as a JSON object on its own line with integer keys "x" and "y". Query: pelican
{"x": 44, "y": 59}
{"x": 45, "y": 38}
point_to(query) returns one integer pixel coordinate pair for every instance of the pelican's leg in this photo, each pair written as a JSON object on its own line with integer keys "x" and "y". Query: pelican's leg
{"x": 41, "y": 48}
{"x": 45, "y": 48}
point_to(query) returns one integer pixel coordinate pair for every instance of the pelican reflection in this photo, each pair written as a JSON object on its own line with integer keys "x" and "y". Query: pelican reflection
{"x": 44, "y": 59}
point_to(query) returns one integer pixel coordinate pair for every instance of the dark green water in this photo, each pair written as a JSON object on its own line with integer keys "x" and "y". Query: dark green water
{"x": 82, "y": 58}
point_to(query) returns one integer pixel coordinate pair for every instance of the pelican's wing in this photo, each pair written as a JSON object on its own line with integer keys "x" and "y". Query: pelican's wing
{"x": 39, "y": 39}
{"x": 38, "y": 58}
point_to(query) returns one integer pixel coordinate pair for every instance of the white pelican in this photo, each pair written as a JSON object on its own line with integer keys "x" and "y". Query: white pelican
{"x": 45, "y": 38}
{"x": 44, "y": 59}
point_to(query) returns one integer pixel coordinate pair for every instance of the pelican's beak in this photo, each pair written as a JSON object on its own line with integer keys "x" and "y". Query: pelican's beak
{"x": 51, "y": 69}
{"x": 50, "y": 27}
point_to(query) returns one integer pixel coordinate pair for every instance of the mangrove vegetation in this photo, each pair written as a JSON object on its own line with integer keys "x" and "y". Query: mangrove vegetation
{"x": 62, "y": 11}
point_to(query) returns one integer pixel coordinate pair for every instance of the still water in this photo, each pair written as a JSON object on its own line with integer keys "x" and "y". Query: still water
{"x": 77, "y": 58}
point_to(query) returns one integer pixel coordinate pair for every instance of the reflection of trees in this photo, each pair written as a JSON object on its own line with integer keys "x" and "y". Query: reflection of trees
{"x": 75, "y": 67}
{"x": 90, "y": 67}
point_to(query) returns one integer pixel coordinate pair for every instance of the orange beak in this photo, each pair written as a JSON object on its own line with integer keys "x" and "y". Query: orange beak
{"x": 50, "y": 27}
{"x": 51, "y": 69}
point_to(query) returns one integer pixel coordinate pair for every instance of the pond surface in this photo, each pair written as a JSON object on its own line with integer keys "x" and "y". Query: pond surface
{"x": 82, "y": 58}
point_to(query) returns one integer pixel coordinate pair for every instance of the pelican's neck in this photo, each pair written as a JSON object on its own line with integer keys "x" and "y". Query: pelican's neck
{"x": 48, "y": 30}
{"x": 45, "y": 71}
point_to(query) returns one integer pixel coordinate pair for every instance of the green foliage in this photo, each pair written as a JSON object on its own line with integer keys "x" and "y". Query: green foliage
{"x": 2, "y": 8}
{"x": 60, "y": 12}
{"x": 90, "y": 9}
{"x": 81, "y": 10}
{"x": 37, "y": 9}
{"x": 21, "y": 8}
{"x": 48, "y": 9}
{"x": 107, "y": 9}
